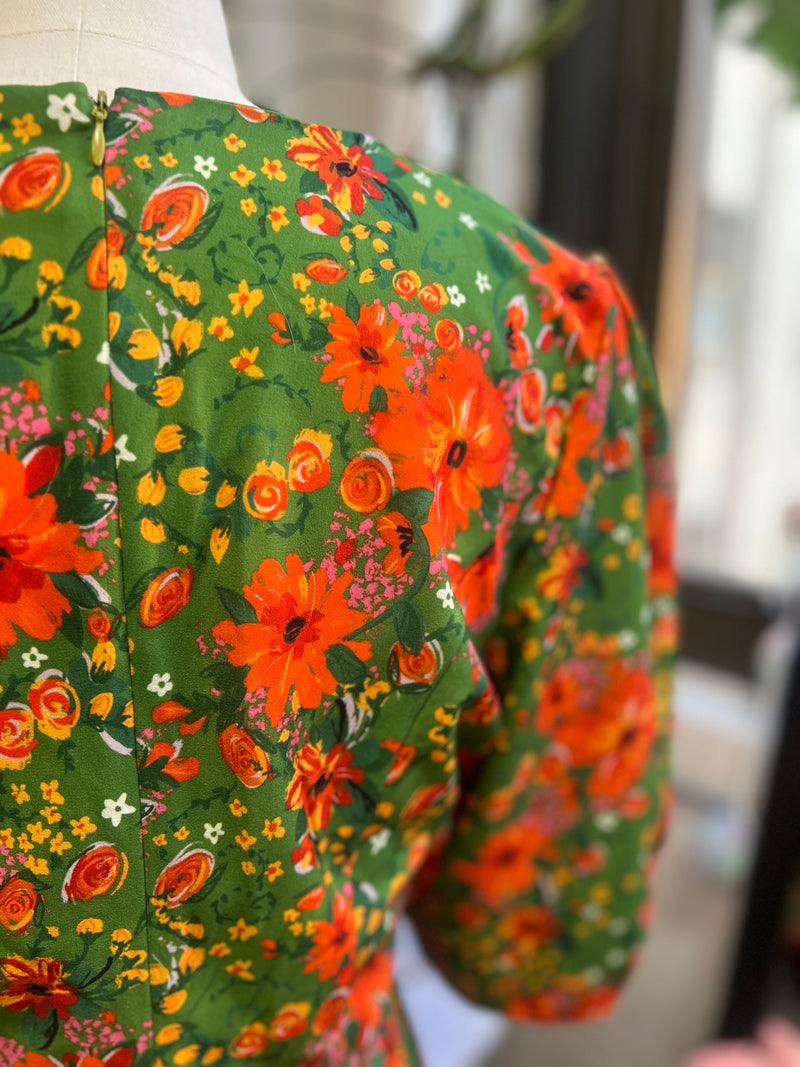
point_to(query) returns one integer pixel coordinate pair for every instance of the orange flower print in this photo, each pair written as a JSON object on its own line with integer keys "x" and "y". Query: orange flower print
{"x": 580, "y": 295}
{"x": 17, "y": 900}
{"x": 366, "y": 482}
{"x": 316, "y": 216}
{"x": 397, "y": 532}
{"x": 452, "y": 439}
{"x": 319, "y": 782}
{"x": 183, "y": 877}
{"x": 36, "y": 984}
{"x": 248, "y": 761}
{"x": 604, "y": 713}
{"x": 176, "y": 207}
{"x": 563, "y": 572}
{"x": 31, "y": 181}
{"x": 365, "y": 354}
{"x": 99, "y": 870}
{"x": 504, "y": 866}
{"x": 309, "y": 468}
{"x": 54, "y": 704}
{"x": 16, "y": 736}
{"x": 582, "y": 441}
{"x": 251, "y": 1041}
{"x": 265, "y": 493}
{"x": 33, "y": 545}
{"x": 419, "y": 668}
{"x": 166, "y": 595}
{"x": 334, "y": 942}
{"x": 517, "y": 341}
{"x": 346, "y": 170}
{"x": 300, "y": 617}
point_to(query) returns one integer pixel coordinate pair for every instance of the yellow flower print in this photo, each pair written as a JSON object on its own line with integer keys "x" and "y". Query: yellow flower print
{"x": 241, "y": 968}
{"x": 273, "y": 828}
{"x": 291, "y": 915}
{"x": 143, "y": 344}
{"x": 168, "y": 390}
{"x": 242, "y": 175}
{"x": 245, "y": 362}
{"x": 121, "y": 934}
{"x": 169, "y": 438}
{"x": 242, "y": 931}
{"x": 248, "y": 206}
{"x": 218, "y": 543}
{"x": 277, "y": 216}
{"x": 245, "y": 299}
{"x": 273, "y": 168}
{"x": 160, "y": 839}
{"x": 367, "y": 276}
{"x": 245, "y": 839}
{"x": 325, "y": 308}
{"x": 380, "y": 245}
{"x": 237, "y": 808}
{"x": 6, "y": 838}
{"x": 59, "y": 844}
{"x": 26, "y": 127}
{"x": 19, "y": 793}
{"x": 248, "y": 867}
{"x": 361, "y": 232}
{"x": 4, "y": 145}
{"x": 168, "y": 160}
{"x": 50, "y": 271}
{"x": 186, "y": 336}
{"x": 194, "y": 480}
{"x": 384, "y": 226}
{"x": 24, "y": 842}
{"x": 82, "y": 827}
{"x": 220, "y": 328}
{"x": 38, "y": 832}
{"x": 39, "y": 866}
{"x": 50, "y": 791}
{"x": 143, "y": 162}
{"x": 301, "y": 282}
{"x": 220, "y": 949}
{"x": 152, "y": 532}
{"x": 50, "y": 813}
{"x": 233, "y": 143}
{"x": 441, "y": 198}
{"x": 53, "y": 931}
{"x": 181, "y": 834}
{"x": 275, "y": 870}
{"x": 308, "y": 302}
{"x": 16, "y": 248}
{"x": 419, "y": 197}
{"x": 296, "y": 929}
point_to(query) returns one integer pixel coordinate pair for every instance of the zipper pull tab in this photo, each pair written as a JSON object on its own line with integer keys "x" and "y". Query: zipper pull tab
{"x": 99, "y": 114}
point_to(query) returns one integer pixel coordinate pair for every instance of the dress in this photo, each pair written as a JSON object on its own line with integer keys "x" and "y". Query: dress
{"x": 336, "y": 580}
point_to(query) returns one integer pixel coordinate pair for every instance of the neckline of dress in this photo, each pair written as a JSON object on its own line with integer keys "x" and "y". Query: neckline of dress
{"x": 61, "y": 87}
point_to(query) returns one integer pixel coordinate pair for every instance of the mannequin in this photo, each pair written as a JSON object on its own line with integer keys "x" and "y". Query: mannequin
{"x": 171, "y": 46}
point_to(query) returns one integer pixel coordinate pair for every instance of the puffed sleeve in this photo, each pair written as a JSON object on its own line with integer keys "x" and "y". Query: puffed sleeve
{"x": 537, "y": 900}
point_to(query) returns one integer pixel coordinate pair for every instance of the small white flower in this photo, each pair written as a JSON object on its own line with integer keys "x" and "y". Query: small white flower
{"x": 482, "y": 282}
{"x": 446, "y": 596}
{"x": 213, "y": 833}
{"x": 104, "y": 355}
{"x": 380, "y": 840}
{"x": 618, "y": 927}
{"x": 627, "y": 639}
{"x": 468, "y": 220}
{"x": 160, "y": 684}
{"x": 115, "y": 809}
{"x": 422, "y": 178}
{"x": 457, "y": 298}
{"x": 63, "y": 110}
{"x": 593, "y": 975}
{"x": 606, "y": 821}
{"x": 621, "y": 534}
{"x": 205, "y": 166}
{"x": 630, "y": 392}
{"x": 123, "y": 452}
{"x": 33, "y": 659}
{"x": 646, "y": 614}
{"x": 616, "y": 957}
{"x": 589, "y": 912}
{"x": 589, "y": 373}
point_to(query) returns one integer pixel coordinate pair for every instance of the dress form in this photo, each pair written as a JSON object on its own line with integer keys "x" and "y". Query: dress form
{"x": 172, "y": 45}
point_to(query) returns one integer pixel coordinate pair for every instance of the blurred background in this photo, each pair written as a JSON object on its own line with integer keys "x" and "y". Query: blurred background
{"x": 667, "y": 134}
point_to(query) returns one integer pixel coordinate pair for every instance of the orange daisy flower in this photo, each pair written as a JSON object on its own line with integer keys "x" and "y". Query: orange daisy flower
{"x": 36, "y": 983}
{"x": 299, "y": 618}
{"x": 365, "y": 354}
{"x": 346, "y": 170}
{"x": 335, "y": 941}
{"x": 452, "y": 439}
{"x": 319, "y": 782}
{"x": 34, "y": 545}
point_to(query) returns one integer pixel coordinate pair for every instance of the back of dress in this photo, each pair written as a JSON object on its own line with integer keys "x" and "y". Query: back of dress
{"x": 336, "y": 579}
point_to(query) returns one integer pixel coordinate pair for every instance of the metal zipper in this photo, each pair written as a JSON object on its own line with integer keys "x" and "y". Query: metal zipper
{"x": 99, "y": 113}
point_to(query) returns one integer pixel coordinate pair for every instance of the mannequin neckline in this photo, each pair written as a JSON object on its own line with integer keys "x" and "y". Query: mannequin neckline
{"x": 114, "y": 97}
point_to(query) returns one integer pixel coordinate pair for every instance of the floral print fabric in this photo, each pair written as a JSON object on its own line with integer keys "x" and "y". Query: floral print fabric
{"x": 336, "y": 580}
